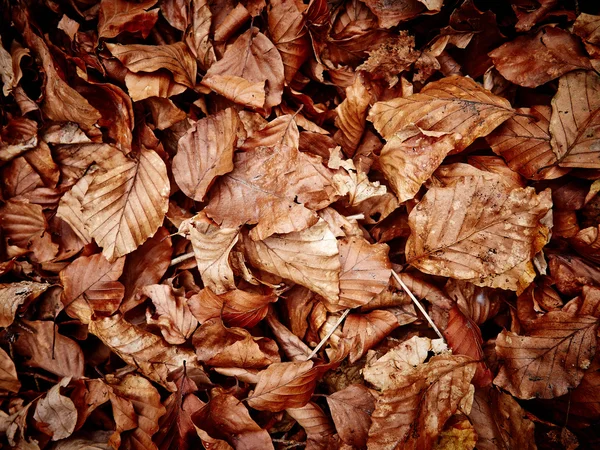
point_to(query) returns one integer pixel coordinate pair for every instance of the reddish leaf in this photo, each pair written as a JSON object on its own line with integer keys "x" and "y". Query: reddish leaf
{"x": 351, "y": 409}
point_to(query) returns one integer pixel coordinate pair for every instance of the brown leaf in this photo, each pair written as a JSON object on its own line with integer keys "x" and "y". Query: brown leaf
{"x": 145, "y": 266}
{"x": 282, "y": 131}
{"x": 287, "y": 30}
{"x": 232, "y": 347}
{"x": 464, "y": 338}
{"x": 91, "y": 287}
{"x": 212, "y": 246}
{"x": 309, "y": 258}
{"x": 550, "y": 359}
{"x": 533, "y": 60}
{"x": 237, "y": 308}
{"x": 500, "y": 422}
{"x": 478, "y": 230}
{"x": 364, "y": 331}
{"x": 391, "y": 14}
{"x": 225, "y": 417}
{"x": 126, "y": 205}
{"x": 575, "y": 125}
{"x": 319, "y": 429}
{"x": 412, "y": 413}
{"x": 365, "y": 272}
{"x": 480, "y": 304}
{"x": 587, "y": 243}
{"x": 47, "y": 349}
{"x": 25, "y": 226}
{"x": 116, "y": 17}
{"x": 284, "y": 385}
{"x": 56, "y": 413}
{"x": 586, "y": 27}
{"x": 253, "y": 193}
{"x": 176, "y": 58}
{"x": 206, "y": 152}
{"x": 571, "y": 273}
{"x": 251, "y": 72}
{"x": 9, "y": 381}
{"x": 175, "y": 319}
{"x": 148, "y": 352}
{"x": 14, "y": 295}
{"x": 524, "y": 142}
{"x": 351, "y": 410}
{"x": 61, "y": 102}
{"x": 198, "y": 35}
{"x": 351, "y": 116}
{"x": 446, "y": 116}
{"x": 290, "y": 344}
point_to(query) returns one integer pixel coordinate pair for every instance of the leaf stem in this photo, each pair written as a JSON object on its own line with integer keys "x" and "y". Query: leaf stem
{"x": 181, "y": 258}
{"x": 326, "y": 338}
{"x": 416, "y": 302}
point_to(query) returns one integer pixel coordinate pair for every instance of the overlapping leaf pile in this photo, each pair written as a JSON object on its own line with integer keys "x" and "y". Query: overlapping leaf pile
{"x": 195, "y": 194}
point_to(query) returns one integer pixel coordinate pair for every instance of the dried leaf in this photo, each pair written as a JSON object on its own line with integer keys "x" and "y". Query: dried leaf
{"x": 351, "y": 410}
{"x": 47, "y": 349}
{"x": 9, "y": 381}
{"x": 125, "y": 206}
{"x": 232, "y": 347}
{"x": 148, "y": 352}
{"x": 318, "y": 427}
{"x": 282, "y": 131}
{"x": 575, "y": 123}
{"x": 116, "y": 17}
{"x": 251, "y": 72}
{"x": 206, "y": 152}
{"x": 284, "y": 385}
{"x": 500, "y": 422}
{"x": 413, "y": 412}
{"x": 550, "y": 359}
{"x": 309, "y": 258}
{"x": 253, "y": 193}
{"x": 212, "y": 246}
{"x": 197, "y": 37}
{"x": 56, "y": 413}
{"x": 14, "y": 295}
{"x": 533, "y": 60}
{"x": 524, "y": 142}
{"x": 478, "y": 230}
{"x": 175, "y": 319}
{"x": 176, "y": 58}
{"x": 91, "y": 286}
{"x": 351, "y": 116}
{"x": 364, "y": 331}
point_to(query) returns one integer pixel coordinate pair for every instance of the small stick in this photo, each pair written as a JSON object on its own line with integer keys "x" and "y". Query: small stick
{"x": 326, "y": 338}
{"x": 416, "y": 302}
{"x": 181, "y": 258}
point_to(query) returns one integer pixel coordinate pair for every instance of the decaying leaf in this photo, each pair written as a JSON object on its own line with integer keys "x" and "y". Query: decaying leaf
{"x": 351, "y": 410}
{"x": 550, "y": 359}
{"x": 56, "y": 413}
{"x": 14, "y": 295}
{"x": 175, "y": 319}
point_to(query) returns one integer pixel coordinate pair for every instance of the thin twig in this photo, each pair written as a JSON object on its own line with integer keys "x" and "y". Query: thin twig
{"x": 416, "y": 302}
{"x": 181, "y": 258}
{"x": 326, "y": 338}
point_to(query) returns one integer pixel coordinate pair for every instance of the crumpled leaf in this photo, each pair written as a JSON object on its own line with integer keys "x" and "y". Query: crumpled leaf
{"x": 46, "y": 348}
{"x": 91, "y": 286}
{"x": 219, "y": 346}
{"x": 206, "y": 152}
{"x": 487, "y": 242}
{"x": 364, "y": 331}
{"x": 251, "y": 72}
{"x": 124, "y": 206}
{"x": 500, "y": 421}
{"x": 175, "y": 319}
{"x": 176, "y": 58}
{"x": 148, "y": 352}
{"x": 446, "y": 116}
{"x": 282, "y": 131}
{"x": 309, "y": 258}
{"x": 253, "y": 194}
{"x": 351, "y": 116}
{"x": 318, "y": 427}
{"x": 422, "y": 399}
{"x": 351, "y": 410}
{"x": 533, "y": 60}
{"x": 14, "y": 295}
{"x": 9, "y": 381}
{"x": 212, "y": 246}
{"x": 56, "y": 413}
{"x": 550, "y": 358}
{"x": 284, "y": 385}
{"x": 575, "y": 125}
{"x": 118, "y": 16}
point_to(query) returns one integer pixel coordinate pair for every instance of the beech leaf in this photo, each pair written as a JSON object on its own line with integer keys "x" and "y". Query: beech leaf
{"x": 14, "y": 295}
{"x": 351, "y": 410}
{"x": 550, "y": 358}
{"x": 175, "y": 319}
{"x": 56, "y": 412}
